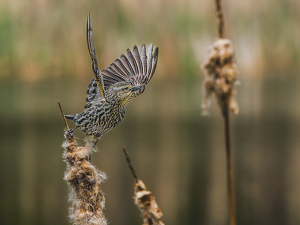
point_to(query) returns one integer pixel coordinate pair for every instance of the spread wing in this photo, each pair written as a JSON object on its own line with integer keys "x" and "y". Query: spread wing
{"x": 96, "y": 87}
{"x": 135, "y": 67}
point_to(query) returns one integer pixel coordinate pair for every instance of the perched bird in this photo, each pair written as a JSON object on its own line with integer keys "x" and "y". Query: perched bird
{"x": 113, "y": 88}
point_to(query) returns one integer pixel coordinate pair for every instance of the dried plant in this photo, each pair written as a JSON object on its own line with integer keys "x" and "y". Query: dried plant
{"x": 147, "y": 205}
{"x": 144, "y": 199}
{"x": 220, "y": 77}
{"x": 84, "y": 181}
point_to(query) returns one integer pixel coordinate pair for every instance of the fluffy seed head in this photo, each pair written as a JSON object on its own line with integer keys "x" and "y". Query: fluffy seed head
{"x": 220, "y": 76}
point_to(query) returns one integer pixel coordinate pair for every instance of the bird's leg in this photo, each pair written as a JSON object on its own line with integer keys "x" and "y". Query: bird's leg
{"x": 70, "y": 132}
{"x": 95, "y": 140}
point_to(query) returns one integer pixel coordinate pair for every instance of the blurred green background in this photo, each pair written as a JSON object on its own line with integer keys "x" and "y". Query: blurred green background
{"x": 177, "y": 153}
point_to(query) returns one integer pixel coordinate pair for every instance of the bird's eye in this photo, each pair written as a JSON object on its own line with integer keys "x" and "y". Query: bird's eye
{"x": 126, "y": 88}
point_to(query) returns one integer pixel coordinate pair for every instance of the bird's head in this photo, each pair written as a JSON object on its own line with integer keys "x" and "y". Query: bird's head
{"x": 123, "y": 92}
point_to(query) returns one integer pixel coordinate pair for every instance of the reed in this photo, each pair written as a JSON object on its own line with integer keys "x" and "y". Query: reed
{"x": 220, "y": 78}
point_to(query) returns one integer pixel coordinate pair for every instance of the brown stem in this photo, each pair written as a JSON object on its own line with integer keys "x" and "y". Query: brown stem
{"x": 130, "y": 166}
{"x": 230, "y": 187}
{"x": 220, "y": 19}
{"x": 63, "y": 115}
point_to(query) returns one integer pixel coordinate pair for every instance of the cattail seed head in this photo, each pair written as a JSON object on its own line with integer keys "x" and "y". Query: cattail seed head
{"x": 220, "y": 76}
{"x": 147, "y": 205}
{"x": 84, "y": 181}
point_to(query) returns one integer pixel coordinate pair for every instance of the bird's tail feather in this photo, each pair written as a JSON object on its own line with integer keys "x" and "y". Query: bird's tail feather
{"x": 70, "y": 117}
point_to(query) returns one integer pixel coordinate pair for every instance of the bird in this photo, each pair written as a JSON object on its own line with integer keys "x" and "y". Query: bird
{"x": 113, "y": 88}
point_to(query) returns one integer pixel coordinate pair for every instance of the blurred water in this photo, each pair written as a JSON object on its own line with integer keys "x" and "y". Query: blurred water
{"x": 178, "y": 154}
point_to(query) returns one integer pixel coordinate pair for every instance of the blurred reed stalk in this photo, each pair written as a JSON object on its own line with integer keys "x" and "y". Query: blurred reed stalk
{"x": 220, "y": 77}
{"x": 144, "y": 199}
{"x": 84, "y": 181}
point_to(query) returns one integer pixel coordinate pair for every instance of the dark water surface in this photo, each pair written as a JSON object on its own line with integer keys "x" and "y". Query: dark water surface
{"x": 177, "y": 153}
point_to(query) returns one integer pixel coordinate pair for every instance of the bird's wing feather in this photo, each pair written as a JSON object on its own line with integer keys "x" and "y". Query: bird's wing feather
{"x": 96, "y": 87}
{"x": 134, "y": 67}
{"x": 93, "y": 93}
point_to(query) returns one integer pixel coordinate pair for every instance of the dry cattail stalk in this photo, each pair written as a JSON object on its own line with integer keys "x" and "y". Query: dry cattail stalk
{"x": 220, "y": 76}
{"x": 84, "y": 181}
{"x": 144, "y": 199}
{"x": 147, "y": 205}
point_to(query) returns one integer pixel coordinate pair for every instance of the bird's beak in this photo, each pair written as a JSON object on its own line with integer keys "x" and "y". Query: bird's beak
{"x": 134, "y": 88}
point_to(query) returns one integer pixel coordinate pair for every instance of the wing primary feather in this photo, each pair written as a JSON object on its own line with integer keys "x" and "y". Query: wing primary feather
{"x": 149, "y": 59}
{"x": 124, "y": 63}
{"x": 109, "y": 76}
{"x": 143, "y": 59}
{"x": 121, "y": 68}
{"x": 114, "y": 73}
{"x": 154, "y": 63}
{"x": 132, "y": 63}
{"x": 118, "y": 71}
{"x": 91, "y": 48}
{"x": 137, "y": 58}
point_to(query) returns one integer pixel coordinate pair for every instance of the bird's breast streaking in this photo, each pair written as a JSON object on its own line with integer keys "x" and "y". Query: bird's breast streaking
{"x": 100, "y": 118}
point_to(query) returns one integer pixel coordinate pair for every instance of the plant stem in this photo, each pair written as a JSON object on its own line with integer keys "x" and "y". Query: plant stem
{"x": 230, "y": 187}
{"x": 130, "y": 166}
{"x": 63, "y": 115}
{"x": 220, "y": 19}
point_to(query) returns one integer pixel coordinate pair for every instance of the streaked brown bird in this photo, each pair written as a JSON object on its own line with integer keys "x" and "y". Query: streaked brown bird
{"x": 113, "y": 88}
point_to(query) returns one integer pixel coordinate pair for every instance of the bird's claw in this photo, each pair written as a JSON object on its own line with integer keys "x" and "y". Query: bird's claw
{"x": 69, "y": 134}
